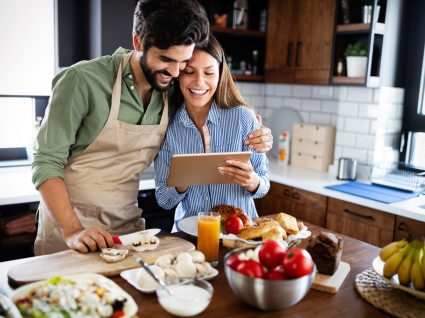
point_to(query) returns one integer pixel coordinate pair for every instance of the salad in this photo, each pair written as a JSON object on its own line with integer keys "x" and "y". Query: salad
{"x": 67, "y": 297}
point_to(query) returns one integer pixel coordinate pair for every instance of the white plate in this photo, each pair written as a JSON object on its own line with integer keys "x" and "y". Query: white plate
{"x": 130, "y": 307}
{"x": 378, "y": 267}
{"x": 7, "y": 304}
{"x": 190, "y": 226}
{"x": 130, "y": 276}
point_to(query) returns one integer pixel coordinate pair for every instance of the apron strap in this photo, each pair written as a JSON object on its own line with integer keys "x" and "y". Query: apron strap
{"x": 116, "y": 90}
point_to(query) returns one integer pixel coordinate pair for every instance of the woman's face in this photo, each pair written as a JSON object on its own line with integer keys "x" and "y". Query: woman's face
{"x": 199, "y": 80}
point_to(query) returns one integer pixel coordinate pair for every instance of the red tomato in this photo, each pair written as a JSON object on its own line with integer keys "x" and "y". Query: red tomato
{"x": 297, "y": 262}
{"x": 271, "y": 254}
{"x": 233, "y": 225}
{"x": 233, "y": 261}
{"x": 118, "y": 313}
{"x": 276, "y": 274}
{"x": 250, "y": 268}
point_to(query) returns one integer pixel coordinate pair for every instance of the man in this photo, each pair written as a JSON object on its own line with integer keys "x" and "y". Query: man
{"x": 105, "y": 123}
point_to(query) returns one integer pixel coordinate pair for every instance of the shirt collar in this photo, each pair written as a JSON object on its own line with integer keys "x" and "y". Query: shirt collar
{"x": 213, "y": 115}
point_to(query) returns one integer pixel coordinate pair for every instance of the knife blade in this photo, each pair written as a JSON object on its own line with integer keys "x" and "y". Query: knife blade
{"x": 128, "y": 239}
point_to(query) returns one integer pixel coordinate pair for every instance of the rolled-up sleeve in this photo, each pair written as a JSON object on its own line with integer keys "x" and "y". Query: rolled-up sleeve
{"x": 67, "y": 108}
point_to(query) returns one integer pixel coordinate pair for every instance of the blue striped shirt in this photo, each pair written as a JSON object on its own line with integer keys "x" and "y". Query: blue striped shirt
{"x": 228, "y": 129}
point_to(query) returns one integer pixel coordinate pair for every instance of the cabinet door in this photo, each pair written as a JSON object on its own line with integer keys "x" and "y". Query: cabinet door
{"x": 408, "y": 229}
{"x": 308, "y": 206}
{"x": 313, "y": 47}
{"x": 277, "y": 200}
{"x": 362, "y": 223}
{"x": 280, "y": 47}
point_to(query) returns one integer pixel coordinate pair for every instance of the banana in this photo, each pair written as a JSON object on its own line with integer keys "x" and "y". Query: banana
{"x": 423, "y": 262}
{"x": 391, "y": 248}
{"x": 393, "y": 262}
{"x": 406, "y": 266}
{"x": 416, "y": 276}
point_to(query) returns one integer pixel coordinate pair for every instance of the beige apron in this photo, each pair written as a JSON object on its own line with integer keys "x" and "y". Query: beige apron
{"x": 103, "y": 181}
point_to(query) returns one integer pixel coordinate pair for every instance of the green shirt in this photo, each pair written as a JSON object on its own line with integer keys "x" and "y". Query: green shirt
{"x": 79, "y": 108}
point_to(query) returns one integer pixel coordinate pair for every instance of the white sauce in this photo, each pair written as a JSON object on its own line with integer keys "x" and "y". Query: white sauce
{"x": 185, "y": 301}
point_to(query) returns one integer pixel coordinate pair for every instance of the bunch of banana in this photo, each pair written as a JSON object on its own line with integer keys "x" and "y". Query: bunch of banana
{"x": 407, "y": 260}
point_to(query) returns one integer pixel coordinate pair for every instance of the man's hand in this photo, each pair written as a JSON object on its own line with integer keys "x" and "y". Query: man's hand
{"x": 89, "y": 240}
{"x": 262, "y": 139}
{"x": 241, "y": 173}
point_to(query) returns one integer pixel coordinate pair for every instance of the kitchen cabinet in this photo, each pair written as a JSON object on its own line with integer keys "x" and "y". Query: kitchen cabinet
{"x": 408, "y": 229}
{"x": 362, "y": 223}
{"x": 304, "y": 205}
{"x": 381, "y": 36}
{"x": 244, "y": 46}
{"x": 299, "y": 41}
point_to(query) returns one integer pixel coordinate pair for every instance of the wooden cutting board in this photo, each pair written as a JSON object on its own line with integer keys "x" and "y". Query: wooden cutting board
{"x": 70, "y": 262}
{"x": 331, "y": 283}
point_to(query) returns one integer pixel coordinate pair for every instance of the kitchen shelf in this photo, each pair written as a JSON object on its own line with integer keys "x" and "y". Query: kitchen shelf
{"x": 252, "y": 78}
{"x": 238, "y": 32}
{"x": 348, "y": 80}
{"x": 359, "y": 28}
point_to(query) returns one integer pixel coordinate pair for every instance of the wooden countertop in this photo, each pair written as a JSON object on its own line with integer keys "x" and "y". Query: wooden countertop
{"x": 346, "y": 303}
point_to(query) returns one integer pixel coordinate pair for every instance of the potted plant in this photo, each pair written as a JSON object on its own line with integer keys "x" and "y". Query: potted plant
{"x": 356, "y": 55}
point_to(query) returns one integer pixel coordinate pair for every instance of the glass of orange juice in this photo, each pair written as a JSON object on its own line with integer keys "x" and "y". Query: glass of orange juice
{"x": 208, "y": 235}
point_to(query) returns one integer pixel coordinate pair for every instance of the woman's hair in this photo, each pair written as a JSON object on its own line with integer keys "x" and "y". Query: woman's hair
{"x": 227, "y": 94}
{"x": 164, "y": 23}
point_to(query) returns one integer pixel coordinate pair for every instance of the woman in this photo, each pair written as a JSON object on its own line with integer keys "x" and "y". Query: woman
{"x": 213, "y": 118}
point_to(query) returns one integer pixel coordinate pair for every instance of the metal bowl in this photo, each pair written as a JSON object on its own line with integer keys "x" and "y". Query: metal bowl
{"x": 267, "y": 294}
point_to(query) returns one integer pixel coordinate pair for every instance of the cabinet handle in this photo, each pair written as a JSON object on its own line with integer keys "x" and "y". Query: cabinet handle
{"x": 289, "y": 54}
{"x": 402, "y": 227}
{"x": 296, "y": 195}
{"x": 286, "y": 192}
{"x": 368, "y": 217}
{"x": 297, "y": 54}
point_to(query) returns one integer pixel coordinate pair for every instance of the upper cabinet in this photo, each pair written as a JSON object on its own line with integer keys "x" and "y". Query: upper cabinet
{"x": 240, "y": 27}
{"x": 299, "y": 41}
{"x": 373, "y": 29}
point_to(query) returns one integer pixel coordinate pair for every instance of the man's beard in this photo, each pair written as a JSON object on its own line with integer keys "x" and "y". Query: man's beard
{"x": 150, "y": 76}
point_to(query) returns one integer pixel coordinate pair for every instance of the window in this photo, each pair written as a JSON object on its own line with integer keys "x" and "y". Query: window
{"x": 27, "y": 54}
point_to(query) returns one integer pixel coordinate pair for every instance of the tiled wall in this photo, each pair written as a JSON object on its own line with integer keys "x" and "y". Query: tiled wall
{"x": 368, "y": 120}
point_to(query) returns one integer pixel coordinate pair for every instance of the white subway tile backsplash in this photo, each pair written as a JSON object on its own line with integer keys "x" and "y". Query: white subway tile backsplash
{"x": 392, "y": 95}
{"x": 312, "y": 105}
{"x": 345, "y": 139}
{"x": 322, "y": 92}
{"x": 334, "y": 120}
{"x": 376, "y": 96}
{"x": 330, "y": 106}
{"x": 368, "y": 110}
{"x": 365, "y": 141}
{"x": 253, "y": 89}
{"x": 360, "y": 94}
{"x": 305, "y": 117}
{"x": 283, "y": 90}
{"x": 269, "y": 90}
{"x": 273, "y": 102}
{"x": 257, "y": 101}
{"x": 357, "y": 125}
{"x": 337, "y": 152}
{"x": 320, "y": 118}
{"x": 292, "y": 102}
{"x": 356, "y": 153}
{"x": 340, "y": 124}
{"x": 340, "y": 93}
{"x": 302, "y": 91}
{"x": 347, "y": 109}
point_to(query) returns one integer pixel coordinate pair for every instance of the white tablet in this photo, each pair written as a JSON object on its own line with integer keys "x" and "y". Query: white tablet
{"x": 201, "y": 168}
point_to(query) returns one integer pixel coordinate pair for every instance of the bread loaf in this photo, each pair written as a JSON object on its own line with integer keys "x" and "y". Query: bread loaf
{"x": 226, "y": 211}
{"x": 255, "y": 232}
{"x": 326, "y": 250}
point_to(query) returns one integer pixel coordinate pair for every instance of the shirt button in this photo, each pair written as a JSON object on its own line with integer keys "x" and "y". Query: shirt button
{"x": 206, "y": 198}
{"x": 131, "y": 87}
{"x": 130, "y": 76}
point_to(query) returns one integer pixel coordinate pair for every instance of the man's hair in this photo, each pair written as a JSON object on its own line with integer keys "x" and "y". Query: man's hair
{"x": 164, "y": 23}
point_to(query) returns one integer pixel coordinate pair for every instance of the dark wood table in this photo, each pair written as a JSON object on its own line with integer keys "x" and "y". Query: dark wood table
{"x": 346, "y": 303}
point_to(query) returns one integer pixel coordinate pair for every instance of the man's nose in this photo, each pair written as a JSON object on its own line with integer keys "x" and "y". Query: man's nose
{"x": 174, "y": 69}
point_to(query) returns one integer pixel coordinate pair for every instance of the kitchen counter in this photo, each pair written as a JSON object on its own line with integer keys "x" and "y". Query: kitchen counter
{"x": 346, "y": 303}
{"x": 16, "y": 187}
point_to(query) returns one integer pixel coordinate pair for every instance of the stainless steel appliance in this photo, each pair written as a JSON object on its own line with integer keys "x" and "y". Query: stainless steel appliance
{"x": 347, "y": 169}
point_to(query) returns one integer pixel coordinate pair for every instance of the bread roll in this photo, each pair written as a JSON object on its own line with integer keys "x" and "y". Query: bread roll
{"x": 226, "y": 211}
{"x": 276, "y": 234}
{"x": 288, "y": 222}
{"x": 254, "y": 232}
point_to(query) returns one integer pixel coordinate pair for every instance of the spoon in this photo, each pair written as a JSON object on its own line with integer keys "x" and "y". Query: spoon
{"x": 154, "y": 276}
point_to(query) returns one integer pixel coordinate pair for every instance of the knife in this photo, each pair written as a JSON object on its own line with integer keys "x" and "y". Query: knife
{"x": 128, "y": 239}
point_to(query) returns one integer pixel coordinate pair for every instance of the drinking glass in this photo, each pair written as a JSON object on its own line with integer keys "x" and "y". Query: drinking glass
{"x": 208, "y": 235}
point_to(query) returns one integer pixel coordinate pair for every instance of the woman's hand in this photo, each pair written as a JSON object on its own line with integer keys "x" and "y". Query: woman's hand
{"x": 262, "y": 139}
{"x": 241, "y": 173}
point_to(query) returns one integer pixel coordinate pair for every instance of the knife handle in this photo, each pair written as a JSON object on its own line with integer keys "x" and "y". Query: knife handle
{"x": 116, "y": 240}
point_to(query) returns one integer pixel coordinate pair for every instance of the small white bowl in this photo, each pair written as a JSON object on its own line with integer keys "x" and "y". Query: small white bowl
{"x": 187, "y": 299}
